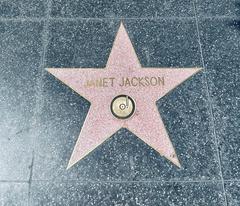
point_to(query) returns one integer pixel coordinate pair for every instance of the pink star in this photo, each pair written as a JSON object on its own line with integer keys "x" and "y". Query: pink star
{"x": 123, "y": 75}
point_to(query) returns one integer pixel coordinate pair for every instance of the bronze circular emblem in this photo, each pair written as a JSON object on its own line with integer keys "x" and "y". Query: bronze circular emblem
{"x": 122, "y": 106}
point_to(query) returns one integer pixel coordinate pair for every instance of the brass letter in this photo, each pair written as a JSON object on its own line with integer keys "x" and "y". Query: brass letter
{"x": 147, "y": 81}
{"x": 105, "y": 82}
{"x": 161, "y": 80}
{"x": 155, "y": 79}
{"x": 133, "y": 82}
{"x": 112, "y": 78}
{"x": 127, "y": 82}
{"x": 140, "y": 79}
{"x": 121, "y": 85}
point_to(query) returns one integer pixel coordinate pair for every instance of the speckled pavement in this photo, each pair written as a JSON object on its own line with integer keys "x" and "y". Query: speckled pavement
{"x": 41, "y": 117}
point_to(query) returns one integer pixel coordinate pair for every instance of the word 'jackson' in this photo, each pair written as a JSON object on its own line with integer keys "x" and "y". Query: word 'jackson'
{"x": 145, "y": 81}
